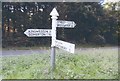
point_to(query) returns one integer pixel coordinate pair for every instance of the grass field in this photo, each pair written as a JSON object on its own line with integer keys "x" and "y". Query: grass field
{"x": 87, "y": 63}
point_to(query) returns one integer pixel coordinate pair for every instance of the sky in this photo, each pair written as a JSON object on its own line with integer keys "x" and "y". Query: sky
{"x": 111, "y": 1}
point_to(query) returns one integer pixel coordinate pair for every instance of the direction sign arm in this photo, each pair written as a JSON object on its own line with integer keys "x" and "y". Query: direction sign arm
{"x": 65, "y": 24}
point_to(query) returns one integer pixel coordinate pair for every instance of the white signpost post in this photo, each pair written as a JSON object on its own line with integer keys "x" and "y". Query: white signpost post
{"x": 52, "y": 32}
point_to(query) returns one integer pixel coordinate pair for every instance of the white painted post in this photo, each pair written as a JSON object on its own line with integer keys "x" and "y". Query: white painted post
{"x": 54, "y": 17}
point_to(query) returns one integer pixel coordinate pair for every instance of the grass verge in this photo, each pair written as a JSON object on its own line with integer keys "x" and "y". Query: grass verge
{"x": 94, "y": 63}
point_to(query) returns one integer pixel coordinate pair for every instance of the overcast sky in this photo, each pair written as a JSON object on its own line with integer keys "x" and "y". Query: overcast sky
{"x": 111, "y": 1}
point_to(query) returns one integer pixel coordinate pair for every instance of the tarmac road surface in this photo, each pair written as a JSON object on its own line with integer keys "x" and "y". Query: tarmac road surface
{"x": 23, "y": 52}
{"x": 12, "y": 52}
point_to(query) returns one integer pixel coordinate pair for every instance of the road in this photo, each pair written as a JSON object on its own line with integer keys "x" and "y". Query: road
{"x": 23, "y": 52}
{"x": 12, "y": 52}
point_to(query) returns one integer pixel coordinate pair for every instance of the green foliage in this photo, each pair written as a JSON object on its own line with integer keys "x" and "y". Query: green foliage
{"x": 90, "y": 18}
{"x": 90, "y": 63}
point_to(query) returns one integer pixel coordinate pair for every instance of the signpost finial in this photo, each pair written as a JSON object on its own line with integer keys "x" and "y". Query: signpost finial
{"x": 54, "y": 12}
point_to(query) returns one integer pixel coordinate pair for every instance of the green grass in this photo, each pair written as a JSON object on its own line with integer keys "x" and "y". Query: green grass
{"x": 93, "y": 63}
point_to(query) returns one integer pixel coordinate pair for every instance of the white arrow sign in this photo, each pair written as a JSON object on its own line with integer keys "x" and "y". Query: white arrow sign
{"x": 66, "y": 24}
{"x": 65, "y": 46}
{"x": 37, "y": 32}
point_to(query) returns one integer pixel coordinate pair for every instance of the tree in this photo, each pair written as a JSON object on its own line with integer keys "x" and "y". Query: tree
{"x": 94, "y": 24}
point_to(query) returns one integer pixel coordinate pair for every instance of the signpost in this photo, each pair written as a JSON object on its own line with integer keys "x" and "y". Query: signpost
{"x": 52, "y": 33}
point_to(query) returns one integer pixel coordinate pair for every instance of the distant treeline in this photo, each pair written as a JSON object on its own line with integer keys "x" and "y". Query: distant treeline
{"x": 94, "y": 24}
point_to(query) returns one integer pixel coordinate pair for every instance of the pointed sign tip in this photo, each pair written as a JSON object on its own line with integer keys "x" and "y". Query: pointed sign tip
{"x": 54, "y": 12}
{"x": 74, "y": 24}
{"x": 26, "y": 32}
